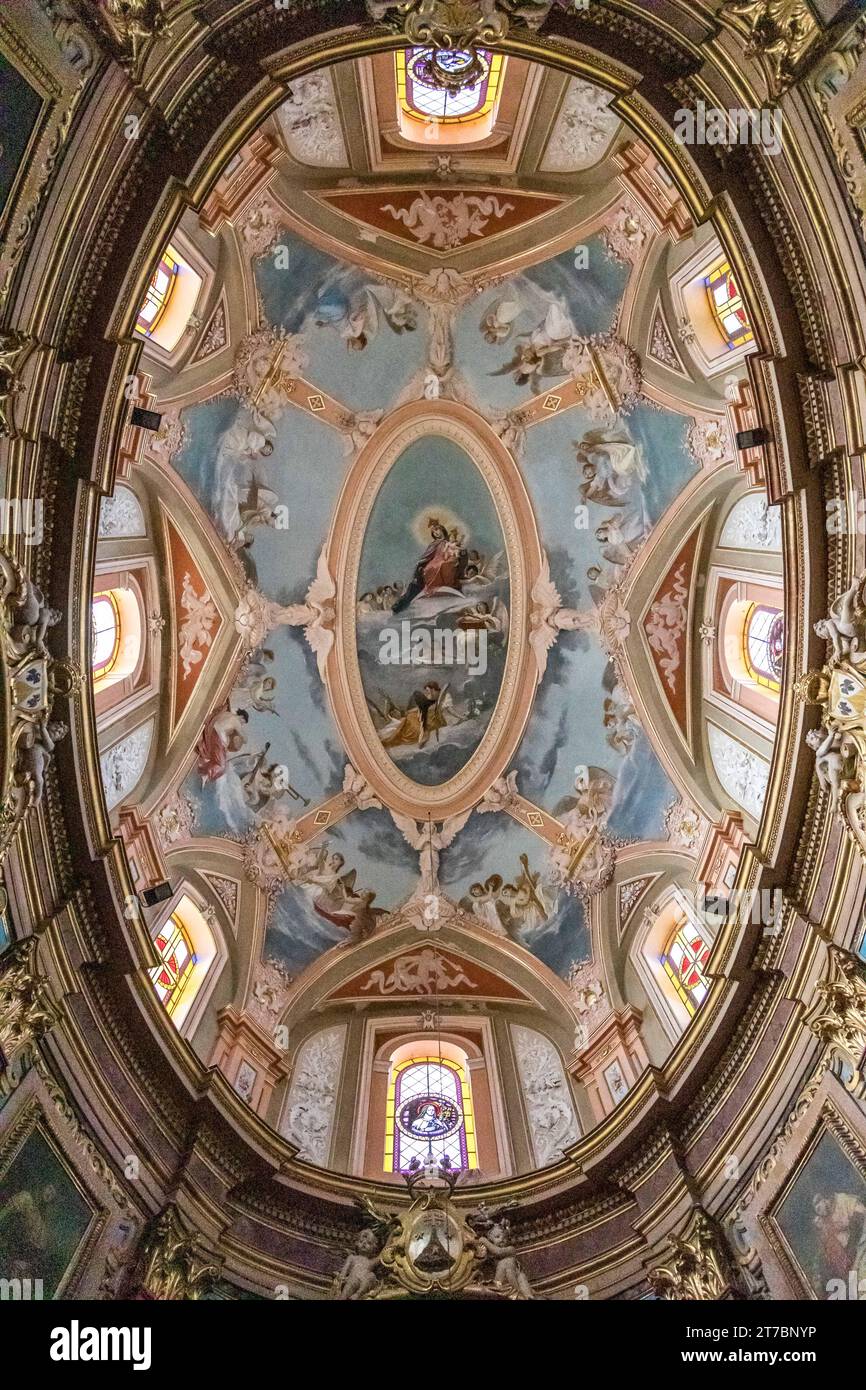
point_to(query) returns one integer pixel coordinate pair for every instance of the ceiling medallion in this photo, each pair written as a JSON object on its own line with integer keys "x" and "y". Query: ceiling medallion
{"x": 451, "y": 32}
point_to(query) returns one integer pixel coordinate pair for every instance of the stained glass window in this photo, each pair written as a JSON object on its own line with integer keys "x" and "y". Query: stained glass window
{"x": 425, "y": 99}
{"x": 685, "y": 962}
{"x": 763, "y": 645}
{"x": 159, "y": 292}
{"x": 172, "y": 977}
{"x": 728, "y": 308}
{"x": 105, "y": 627}
{"x": 429, "y": 1114}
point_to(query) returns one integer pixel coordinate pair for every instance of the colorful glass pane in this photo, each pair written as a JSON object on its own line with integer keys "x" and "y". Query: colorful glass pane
{"x": 159, "y": 292}
{"x": 172, "y": 978}
{"x": 425, "y": 99}
{"x": 429, "y": 1115}
{"x": 728, "y": 308}
{"x": 764, "y": 645}
{"x": 685, "y": 964}
{"x": 105, "y": 632}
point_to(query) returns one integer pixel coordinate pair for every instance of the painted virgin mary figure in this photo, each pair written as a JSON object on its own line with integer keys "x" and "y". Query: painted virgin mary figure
{"x": 442, "y": 566}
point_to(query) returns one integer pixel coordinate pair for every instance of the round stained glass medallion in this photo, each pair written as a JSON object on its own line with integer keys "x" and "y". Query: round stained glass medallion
{"x": 429, "y": 1117}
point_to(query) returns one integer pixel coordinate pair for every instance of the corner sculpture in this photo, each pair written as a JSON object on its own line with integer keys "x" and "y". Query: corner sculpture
{"x": 32, "y": 679}
{"x": 433, "y": 1248}
{"x": 839, "y": 688}
{"x": 455, "y": 24}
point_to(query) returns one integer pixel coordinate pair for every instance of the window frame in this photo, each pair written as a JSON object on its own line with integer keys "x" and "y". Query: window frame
{"x": 168, "y": 265}
{"x": 99, "y": 672}
{"x": 465, "y": 1136}
{"x": 734, "y": 304}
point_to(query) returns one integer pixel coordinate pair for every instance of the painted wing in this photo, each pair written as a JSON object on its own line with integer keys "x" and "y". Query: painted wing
{"x": 544, "y": 592}
{"x": 450, "y": 829}
{"x": 323, "y": 588}
{"x": 414, "y": 835}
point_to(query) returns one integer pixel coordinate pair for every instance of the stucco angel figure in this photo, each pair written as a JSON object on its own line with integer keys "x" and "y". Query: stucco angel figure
{"x": 359, "y": 789}
{"x": 33, "y": 754}
{"x": 429, "y": 839}
{"x": 500, "y": 794}
{"x": 360, "y": 428}
{"x": 845, "y": 626}
{"x": 256, "y": 615}
{"x": 29, "y": 616}
{"x": 495, "y": 1244}
{"x": 835, "y": 760}
{"x": 361, "y": 1271}
{"x": 547, "y": 617}
{"x": 511, "y": 430}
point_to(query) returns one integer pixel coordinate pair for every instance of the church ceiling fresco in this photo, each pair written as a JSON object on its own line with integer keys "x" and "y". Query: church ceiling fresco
{"x": 390, "y": 727}
{"x": 431, "y": 752}
{"x": 444, "y": 221}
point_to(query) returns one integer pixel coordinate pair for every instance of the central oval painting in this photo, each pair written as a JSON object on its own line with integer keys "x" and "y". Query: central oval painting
{"x": 432, "y": 610}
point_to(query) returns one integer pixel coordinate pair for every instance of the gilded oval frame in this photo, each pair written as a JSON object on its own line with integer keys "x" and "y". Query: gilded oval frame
{"x": 361, "y": 487}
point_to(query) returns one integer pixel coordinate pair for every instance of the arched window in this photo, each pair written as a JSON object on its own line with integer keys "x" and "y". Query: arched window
{"x": 422, "y": 97}
{"x": 685, "y": 961}
{"x": 753, "y": 631}
{"x": 169, "y": 302}
{"x": 116, "y": 633}
{"x": 187, "y": 949}
{"x": 429, "y": 1113}
{"x": 763, "y": 645}
{"x": 728, "y": 308}
{"x": 173, "y": 977}
{"x": 105, "y": 622}
{"x": 159, "y": 293}
{"x": 671, "y": 949}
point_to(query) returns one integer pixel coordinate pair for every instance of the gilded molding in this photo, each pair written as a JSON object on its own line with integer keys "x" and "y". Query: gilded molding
{"x": 172, "y": 1263}
{"x": 839, "y": 1020}
{"x": 14, "y": 348}
{"x": 699, "y": 1266}
{"x": 780, "y": 35}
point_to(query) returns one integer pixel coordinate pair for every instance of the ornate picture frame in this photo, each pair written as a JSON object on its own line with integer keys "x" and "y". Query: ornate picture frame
{"x": 803, "y": 1218}
{"x": 91, "y": 1220}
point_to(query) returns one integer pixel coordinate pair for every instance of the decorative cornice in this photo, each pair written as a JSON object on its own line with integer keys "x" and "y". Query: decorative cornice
{"x": 109, "y": 999}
